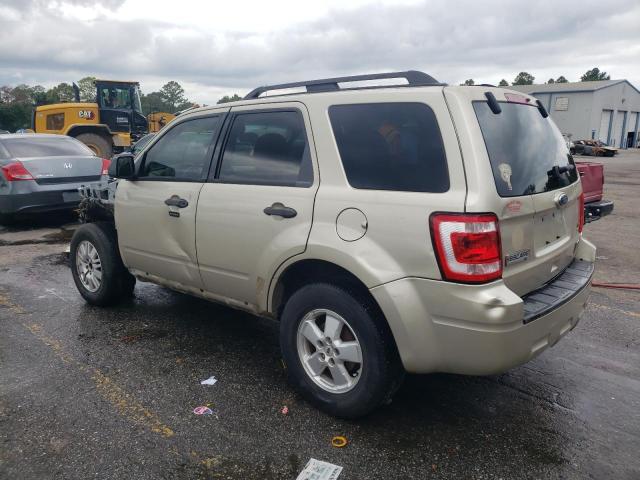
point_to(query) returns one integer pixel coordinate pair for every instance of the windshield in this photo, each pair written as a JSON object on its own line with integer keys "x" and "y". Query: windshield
{"x": 137, "y": 105}
{"x": 115, "y": 97}
{"x": 527, "y": 152}
{"x": 45, "y": 147}
{"x": 140, "y": 144}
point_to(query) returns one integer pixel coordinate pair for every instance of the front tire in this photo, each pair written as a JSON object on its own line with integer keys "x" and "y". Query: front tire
{"x": 96, "y": 266}
{"x": 338, "y": 351}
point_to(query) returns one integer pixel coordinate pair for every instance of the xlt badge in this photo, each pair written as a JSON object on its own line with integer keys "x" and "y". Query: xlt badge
{"x": 516, "y": 257}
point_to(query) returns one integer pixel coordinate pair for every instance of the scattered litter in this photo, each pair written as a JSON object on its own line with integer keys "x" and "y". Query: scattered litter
{"x": 209, "y": 381}
{"x": 319, "y": 470}
{"x": 339, "y": 441}
{"x": 285, "y": 410}
{"x": 203, "y": 410}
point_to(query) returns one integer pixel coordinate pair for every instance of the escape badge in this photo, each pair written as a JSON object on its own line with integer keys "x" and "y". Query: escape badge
{"x": 505, "y": 174}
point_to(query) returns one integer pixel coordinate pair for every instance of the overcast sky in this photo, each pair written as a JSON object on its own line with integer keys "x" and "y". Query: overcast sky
{"x": 219, "y": 47}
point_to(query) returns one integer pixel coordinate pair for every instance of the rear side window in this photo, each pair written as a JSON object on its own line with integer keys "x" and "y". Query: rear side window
{"x": 267, "y": 148}
{"x": 55, "y": 121}
{"x": 524, "y": 148}
{"x": 34, "y": 146}
{"x": 391, "y": 146}
{"x": 181, "y": 153}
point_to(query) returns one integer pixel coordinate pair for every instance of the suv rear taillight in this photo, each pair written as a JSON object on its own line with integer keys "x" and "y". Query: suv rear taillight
{"x": 581, "y": 212}
{"x": 15, "y": 171}
{"x": 467, "y": 246}
{"x": 105, "y": 166}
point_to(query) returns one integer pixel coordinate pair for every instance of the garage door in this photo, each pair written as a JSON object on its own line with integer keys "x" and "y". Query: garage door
{"x": 603, "y": 133}
{"x": 631, "y": 125}
{"x": 616, "y": 131}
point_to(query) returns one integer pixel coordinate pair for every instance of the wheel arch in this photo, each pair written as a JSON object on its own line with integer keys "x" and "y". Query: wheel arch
{"x": 99, "y": 129}
{"x": 307, "y": 271}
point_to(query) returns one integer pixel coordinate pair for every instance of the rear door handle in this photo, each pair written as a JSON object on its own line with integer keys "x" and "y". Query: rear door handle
{"x": 176, "y": 201}
{"x": 279, "y": 210}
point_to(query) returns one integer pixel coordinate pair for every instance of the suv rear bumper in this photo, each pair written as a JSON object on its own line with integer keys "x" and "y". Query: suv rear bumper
{"x": 475, "y": 329}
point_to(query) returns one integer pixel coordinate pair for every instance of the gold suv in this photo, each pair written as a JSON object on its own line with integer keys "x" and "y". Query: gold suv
{"x": 411, "y": 227}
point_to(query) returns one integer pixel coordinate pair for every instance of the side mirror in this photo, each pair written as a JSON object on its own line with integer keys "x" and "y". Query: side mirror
{"x": 122, "y": 166}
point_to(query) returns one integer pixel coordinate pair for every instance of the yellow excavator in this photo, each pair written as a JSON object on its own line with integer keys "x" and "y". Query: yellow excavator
{"x": 110, "y": 125}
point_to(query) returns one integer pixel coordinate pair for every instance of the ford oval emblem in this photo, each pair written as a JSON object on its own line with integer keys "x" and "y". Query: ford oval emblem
{"x": 562, "y": 199}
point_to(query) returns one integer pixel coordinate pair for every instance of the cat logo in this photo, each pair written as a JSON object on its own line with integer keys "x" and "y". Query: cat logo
{"x": 68, "y": 165}
{"x": 87, "y": 114}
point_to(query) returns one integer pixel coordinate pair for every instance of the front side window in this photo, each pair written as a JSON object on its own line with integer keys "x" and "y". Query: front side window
{"x": 524, "y": 149}
{"x": 182, "y": 152}
{"x": 390, "y": 146}
{"x": 137, "y": 103}
{"x": 267, "y": 148}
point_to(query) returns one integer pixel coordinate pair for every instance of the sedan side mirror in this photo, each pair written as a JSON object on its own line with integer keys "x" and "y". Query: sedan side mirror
{"x": 122, "y": 166}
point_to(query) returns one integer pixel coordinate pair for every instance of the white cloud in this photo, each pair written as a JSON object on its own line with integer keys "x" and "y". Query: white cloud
{"x": 216, "y": 48}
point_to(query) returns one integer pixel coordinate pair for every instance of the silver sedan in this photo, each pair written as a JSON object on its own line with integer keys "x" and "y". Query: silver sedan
{"x": 40, "y": 172}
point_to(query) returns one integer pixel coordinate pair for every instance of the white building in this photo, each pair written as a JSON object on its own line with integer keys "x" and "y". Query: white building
{"x": 606, "y": 110}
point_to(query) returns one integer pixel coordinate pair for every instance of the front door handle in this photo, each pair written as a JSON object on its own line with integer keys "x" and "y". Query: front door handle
{"x": 176, "y": 201}
{"x": 279, "y": 210}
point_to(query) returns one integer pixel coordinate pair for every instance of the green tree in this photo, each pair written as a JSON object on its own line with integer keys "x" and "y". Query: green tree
{"x": 561, "y": 79}
{"x": 87, "y": 89}
{"x": 523, "y": 78}
{"x": 38, "y": 95}
{"x": 15, "y": 115}
{"x": 172, "y": 95}
{"x": 63, "y": 92}
{"x": 153, "y": 102}
{"x": 21, "y": 94}
{"x": 551, "y": 80}
{"x": 594, "y": 75}
{"x": 234, "y": 98}
{"x": 503, "y": 83}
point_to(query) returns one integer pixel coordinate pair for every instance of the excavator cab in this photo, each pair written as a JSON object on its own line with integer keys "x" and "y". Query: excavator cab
{"x": 120, "y": 107}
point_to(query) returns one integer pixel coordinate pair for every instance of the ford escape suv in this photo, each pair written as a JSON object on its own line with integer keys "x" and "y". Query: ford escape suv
{"x": 416, "y": 227}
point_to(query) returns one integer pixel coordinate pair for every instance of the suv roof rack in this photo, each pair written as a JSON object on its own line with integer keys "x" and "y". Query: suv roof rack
{"x": 413, "y": 77}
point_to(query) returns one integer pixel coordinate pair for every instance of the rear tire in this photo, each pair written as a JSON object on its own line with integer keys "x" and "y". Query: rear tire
{"x": 369, "y": 383}
{"x": 100, "y": 145}
{"x": 96, "y": 266}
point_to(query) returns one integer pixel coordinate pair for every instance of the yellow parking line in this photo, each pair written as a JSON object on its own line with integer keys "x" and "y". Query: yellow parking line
{"x": 123, "y": 401}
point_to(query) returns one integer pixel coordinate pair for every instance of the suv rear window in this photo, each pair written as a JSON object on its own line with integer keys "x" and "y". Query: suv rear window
{"x": 390, "y": 146}
{"x": 524, "y": 147}
{"x": 32, "y": 146}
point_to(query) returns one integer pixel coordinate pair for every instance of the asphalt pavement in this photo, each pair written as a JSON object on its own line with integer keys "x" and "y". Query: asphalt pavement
{"x": 87, "y": 392}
